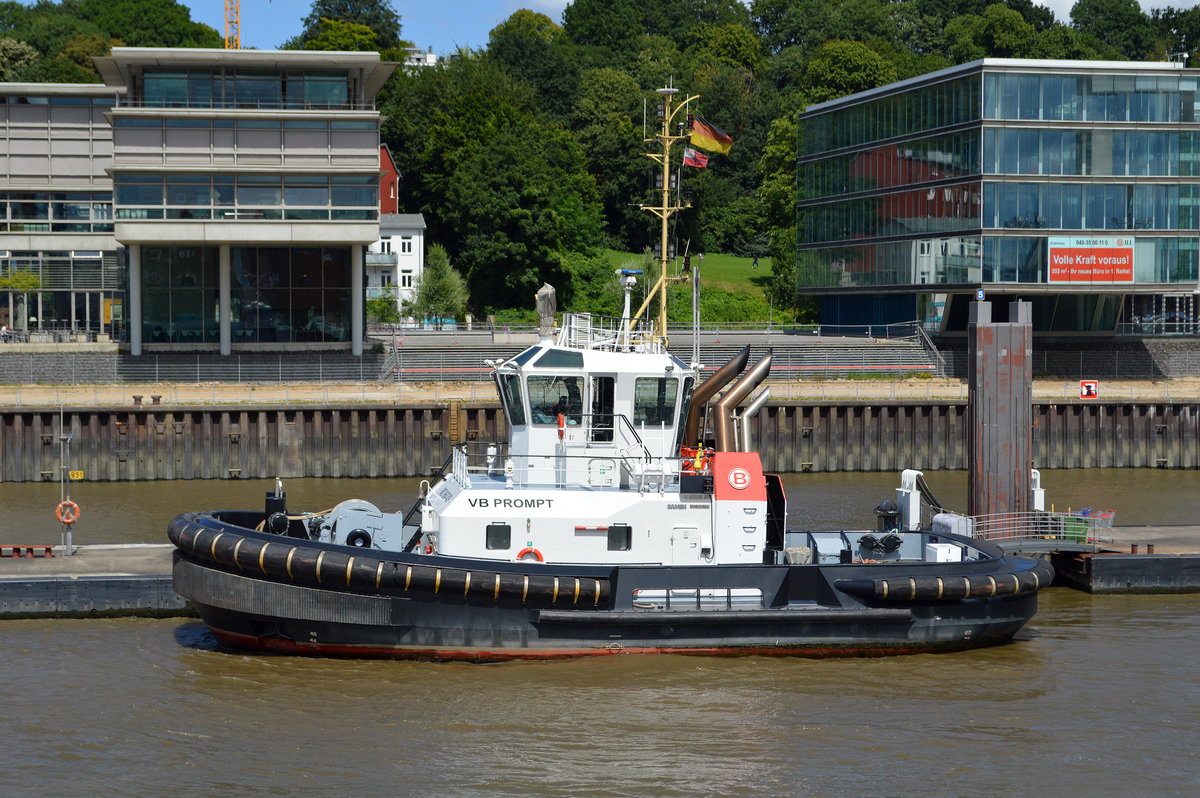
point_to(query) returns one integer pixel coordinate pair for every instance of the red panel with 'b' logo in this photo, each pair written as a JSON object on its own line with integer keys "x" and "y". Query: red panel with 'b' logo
{"x": 738, "y": 476}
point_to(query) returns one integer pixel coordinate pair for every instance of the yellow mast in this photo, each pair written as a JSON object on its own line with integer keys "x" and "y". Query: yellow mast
{"x": 664, "y": 211}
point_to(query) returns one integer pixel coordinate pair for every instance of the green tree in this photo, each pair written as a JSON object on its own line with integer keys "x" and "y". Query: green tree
{"x": 1178, "y": 31}
{"x": 13, "y": 56}
{"x": 777, "y": 198}
{"x": 1118, "y": 22}
{"x": 602, "y": 23}
{"x": 441, "y": 292}
{"x": 603, "y": 120}
{"x": 731, "y": 44}
{"x": 503, "y": 187}
{"x": 144, "y": 23}
{"x": 839, "y": 68}
{"x": 382, "y": 309}
{"x": 334, "y": 34}
{"x": 378, "y": 15}
{"x": 999, "y": 33}
{"x": 530, "y": 47}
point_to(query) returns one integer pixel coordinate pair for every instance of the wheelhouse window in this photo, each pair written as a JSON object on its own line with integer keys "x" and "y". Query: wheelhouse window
{"x": 654, "y": 400}
{"x": 550, "y": 396}
{"x": 510, "y": 390}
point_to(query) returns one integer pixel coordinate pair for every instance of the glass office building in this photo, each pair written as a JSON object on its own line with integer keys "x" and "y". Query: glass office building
{"x": 1071, "y": 184}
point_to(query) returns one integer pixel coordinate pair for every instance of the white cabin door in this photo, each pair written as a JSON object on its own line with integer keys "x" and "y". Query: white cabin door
{"x": 685, "y": 545}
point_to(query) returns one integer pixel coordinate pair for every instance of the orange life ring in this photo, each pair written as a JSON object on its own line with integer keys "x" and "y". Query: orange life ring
{"x": 67, "y": 512}
{"x": 429, "y": 548}
{"x": 530, "y": 550}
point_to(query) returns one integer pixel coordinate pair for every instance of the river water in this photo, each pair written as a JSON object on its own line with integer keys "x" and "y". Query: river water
{"x": 1097, "y": 696}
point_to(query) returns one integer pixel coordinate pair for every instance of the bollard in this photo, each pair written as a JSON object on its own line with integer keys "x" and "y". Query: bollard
{"x": 1149, "y": 548}
{"x": 156, "y": 399}
{"x": 137, "y": 400}
{"x": 1133, "y": 547}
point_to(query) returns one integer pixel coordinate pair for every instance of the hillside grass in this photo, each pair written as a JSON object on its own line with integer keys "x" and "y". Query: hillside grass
{"x": 727, "y": 272}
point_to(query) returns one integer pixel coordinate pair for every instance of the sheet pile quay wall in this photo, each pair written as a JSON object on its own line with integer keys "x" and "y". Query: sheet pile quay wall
{"x": 262, "y": 442}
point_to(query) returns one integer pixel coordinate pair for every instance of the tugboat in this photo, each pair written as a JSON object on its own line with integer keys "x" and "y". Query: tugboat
{"x": 607, "y": 522}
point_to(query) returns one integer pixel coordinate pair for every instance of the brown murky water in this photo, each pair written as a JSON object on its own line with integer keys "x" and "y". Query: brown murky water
{"x": 1098, "y": 696}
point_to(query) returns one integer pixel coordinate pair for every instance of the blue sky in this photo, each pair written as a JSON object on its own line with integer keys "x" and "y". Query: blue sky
{"x": 443, "y": 25}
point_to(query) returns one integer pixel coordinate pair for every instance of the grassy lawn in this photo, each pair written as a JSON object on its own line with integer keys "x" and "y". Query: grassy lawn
{"x": 720, "y": 271}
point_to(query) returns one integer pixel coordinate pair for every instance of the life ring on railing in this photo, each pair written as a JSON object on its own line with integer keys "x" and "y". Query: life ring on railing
{"x": 67, "y": 512}
{"x": 530, "y": 550}
{"x": 562, "y": 425}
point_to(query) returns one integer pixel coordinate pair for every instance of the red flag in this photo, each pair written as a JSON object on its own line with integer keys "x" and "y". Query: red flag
{"x": 693, "y": 158}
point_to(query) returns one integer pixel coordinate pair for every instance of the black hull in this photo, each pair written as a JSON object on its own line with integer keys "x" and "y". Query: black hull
{"x": 334, "y": 601}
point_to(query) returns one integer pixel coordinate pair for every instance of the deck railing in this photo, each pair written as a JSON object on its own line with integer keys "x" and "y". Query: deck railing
{"x": 1082, "y": 529}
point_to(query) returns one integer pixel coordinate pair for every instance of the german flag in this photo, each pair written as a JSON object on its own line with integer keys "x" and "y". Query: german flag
{"x": 708, "y": 136}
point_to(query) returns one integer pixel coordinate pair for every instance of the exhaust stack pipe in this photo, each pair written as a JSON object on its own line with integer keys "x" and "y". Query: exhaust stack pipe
{"x": 744, "y": 442}
{"x": 734, "y": 396}
{"x": 707, "y": 389}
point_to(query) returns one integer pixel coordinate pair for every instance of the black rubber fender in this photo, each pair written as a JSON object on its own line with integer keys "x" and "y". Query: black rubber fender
{"x": 951, "y": 588}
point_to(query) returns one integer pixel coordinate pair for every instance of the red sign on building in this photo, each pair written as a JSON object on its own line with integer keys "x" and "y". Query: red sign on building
{"x": 1090, "y": 260}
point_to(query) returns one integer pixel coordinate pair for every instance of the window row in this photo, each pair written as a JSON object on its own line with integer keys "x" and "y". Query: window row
{"x": 1029, "y": 151}
{"x": 1100, "y": 206}
{"x": 947, "y": 103}
{"x": 191, "y": 196}
{"x": 277, "y": 294}
{"x": 54, "y": 100}
{"x": 1026, "y": 260}
{"x": 973, "y": 259}
{"x": 67, "y": 270}
{"x": 920, "y": 161}
{"x": 1096, "y": 98}
{"x": 934, "y": 210}
{"x": 242, "y": 88}
{"x": 44, "y": 212}
{"x": 247, "y": 124}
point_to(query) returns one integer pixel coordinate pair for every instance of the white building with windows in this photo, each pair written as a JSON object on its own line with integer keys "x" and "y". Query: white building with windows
{"x": 201, "y": 199}
{"x": 395, "y": 262}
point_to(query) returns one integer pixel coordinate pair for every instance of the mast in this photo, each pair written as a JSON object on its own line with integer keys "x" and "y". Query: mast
{"x": 664, "y": 210}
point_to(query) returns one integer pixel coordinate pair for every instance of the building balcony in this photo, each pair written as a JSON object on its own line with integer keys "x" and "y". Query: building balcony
{"x": 382, "y": 259}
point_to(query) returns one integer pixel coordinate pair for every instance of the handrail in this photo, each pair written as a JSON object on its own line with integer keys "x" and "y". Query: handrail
{"x": 928, "y": 346}
{"x": 1074, "y": 528}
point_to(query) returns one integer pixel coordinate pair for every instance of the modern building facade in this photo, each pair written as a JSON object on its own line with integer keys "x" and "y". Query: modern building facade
{"x": 56, "y": 210}
{"x": 1072, "y": 184}
{"x": 235, "y": 191}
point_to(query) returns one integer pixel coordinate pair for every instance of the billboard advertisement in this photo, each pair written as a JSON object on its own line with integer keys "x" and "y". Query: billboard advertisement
{"x": 1087, "y": 259}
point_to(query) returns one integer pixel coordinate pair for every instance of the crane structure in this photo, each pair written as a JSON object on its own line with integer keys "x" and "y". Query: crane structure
{"x": 233, "y": 33}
